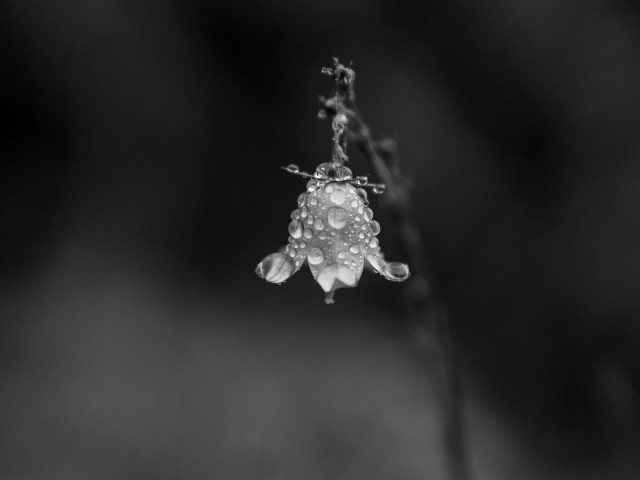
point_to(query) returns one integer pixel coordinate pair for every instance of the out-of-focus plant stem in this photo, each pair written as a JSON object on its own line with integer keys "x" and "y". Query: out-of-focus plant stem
{"x": 430, "y": 324}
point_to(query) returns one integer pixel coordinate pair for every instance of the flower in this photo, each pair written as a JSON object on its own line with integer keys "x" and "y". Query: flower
{"x": 333, "y": 230}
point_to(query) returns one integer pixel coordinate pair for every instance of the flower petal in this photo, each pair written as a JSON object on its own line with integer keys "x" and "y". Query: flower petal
{"x": 394, "y": 271}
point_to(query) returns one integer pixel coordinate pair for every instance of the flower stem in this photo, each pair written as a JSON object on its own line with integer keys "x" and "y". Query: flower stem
{"x": 430, "y": 323}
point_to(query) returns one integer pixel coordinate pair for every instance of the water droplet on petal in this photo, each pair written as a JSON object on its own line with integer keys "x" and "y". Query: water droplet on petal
{"x": 293, "y": 253}
{"x": 342, "y": 173}
{"x": 315, "y": 256}
{"x": 368, "y": 214}
{"x": 355, "y": 248}
{"x": 373, "y": 243}
{"x": 329, "y": 188}
{"x": 341, "y": 255}
{"x": 360, "y": 209}
{"x": 310, "y": 219}
{"x": 302, "y": 245}
{"x": 379, "y": 189}
{"x": 361, "y": 235}
{"x": 354, "y": 203}
{"x": 304, "y": 212}
{"x": 293, "y": 168}
{"x": 318, "y": 224}
{"x": 295, "y": 229}
{"x": 275, "y": 268}
{"x": 362, "y": 193}
{"x": 396, "y": 271}
{"x": 358, "y": 218}
{"x": 338, "y": 197}
{"x": 322, "y": 236}
{"x": 301, "y": 199}
{"x": 375, "y": 227}
{"x": 295, "y": 215}
{"x": 308, "y": 233}
{"x": 313, "y": 201}
{"x": 337, "y": 217}
{"x": 362, "y": 180}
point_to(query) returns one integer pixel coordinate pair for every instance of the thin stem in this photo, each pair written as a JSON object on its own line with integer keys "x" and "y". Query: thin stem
{"x": 430, "y": 326}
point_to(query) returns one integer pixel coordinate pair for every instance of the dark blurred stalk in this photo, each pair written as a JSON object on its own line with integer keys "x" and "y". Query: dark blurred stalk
{"x": 430, "y": 324}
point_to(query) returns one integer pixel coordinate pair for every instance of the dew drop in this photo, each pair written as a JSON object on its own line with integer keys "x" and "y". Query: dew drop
{"x": 362, "y": 235}
{"x": 310, "y": 219}
{"x": 337, "y": 217}
{"x": 379, "y": 189}
{"x": 292, "y": 253}
{"x": 313, "y": 201}
{"x": 396, "y": 271}
{"x": 318, "y": 224}
{"x": 322, "y": 236}
{"x": 365, "y": 226}
{"x": 360, "y": 209}
{"x": 358, "y": 218}
{"x": 315, "y": 256}
{"x": 308, "y": 233}
{"x": 295, "y": 215}
{"x": 342, "y": 173}
{"x": 302, "y": 245}
{"x": 368, "y": 214}
{"x": 295, "y": 229}
{"x": 355, "y": 248}
{"x": 293, "y": 168}
{"x": 373, "y": 243}
{"x": 362, "y": 193}
{"x": 301, "y": 199}
{"x": 329, "y": 188}
{"x": 338, "y": 197}
{"x": 304, "y": 212}
{"x": 275, "y": 268}
{"x": 362, "y": 180}
{"x": 375, "y": 227}
{"x": 354, "y": 203}
{"x": 341, "y": 255}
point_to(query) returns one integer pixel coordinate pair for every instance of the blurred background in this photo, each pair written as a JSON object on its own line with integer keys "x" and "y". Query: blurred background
{"x": 140, "y": 186}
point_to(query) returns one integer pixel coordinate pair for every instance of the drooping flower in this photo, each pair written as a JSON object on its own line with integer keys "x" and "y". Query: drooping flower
{"x": 333, "y": 230}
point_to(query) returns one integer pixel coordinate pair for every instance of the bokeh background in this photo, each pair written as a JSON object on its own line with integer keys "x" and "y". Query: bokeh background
{"x": 140, "y": 185}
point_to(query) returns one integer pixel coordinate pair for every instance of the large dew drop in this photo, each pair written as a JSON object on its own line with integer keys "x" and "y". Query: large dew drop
{"x": 338, "y": 197}
{"x": 295, "y": 229}
{"x": 396, "y": 271}
{"x": 337, "y": 217}
{"x": 375, "y": 227}
{"x": 276, "y": 268}
{"x": 368, "y": 214}
{"x": 315, "y": 256}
